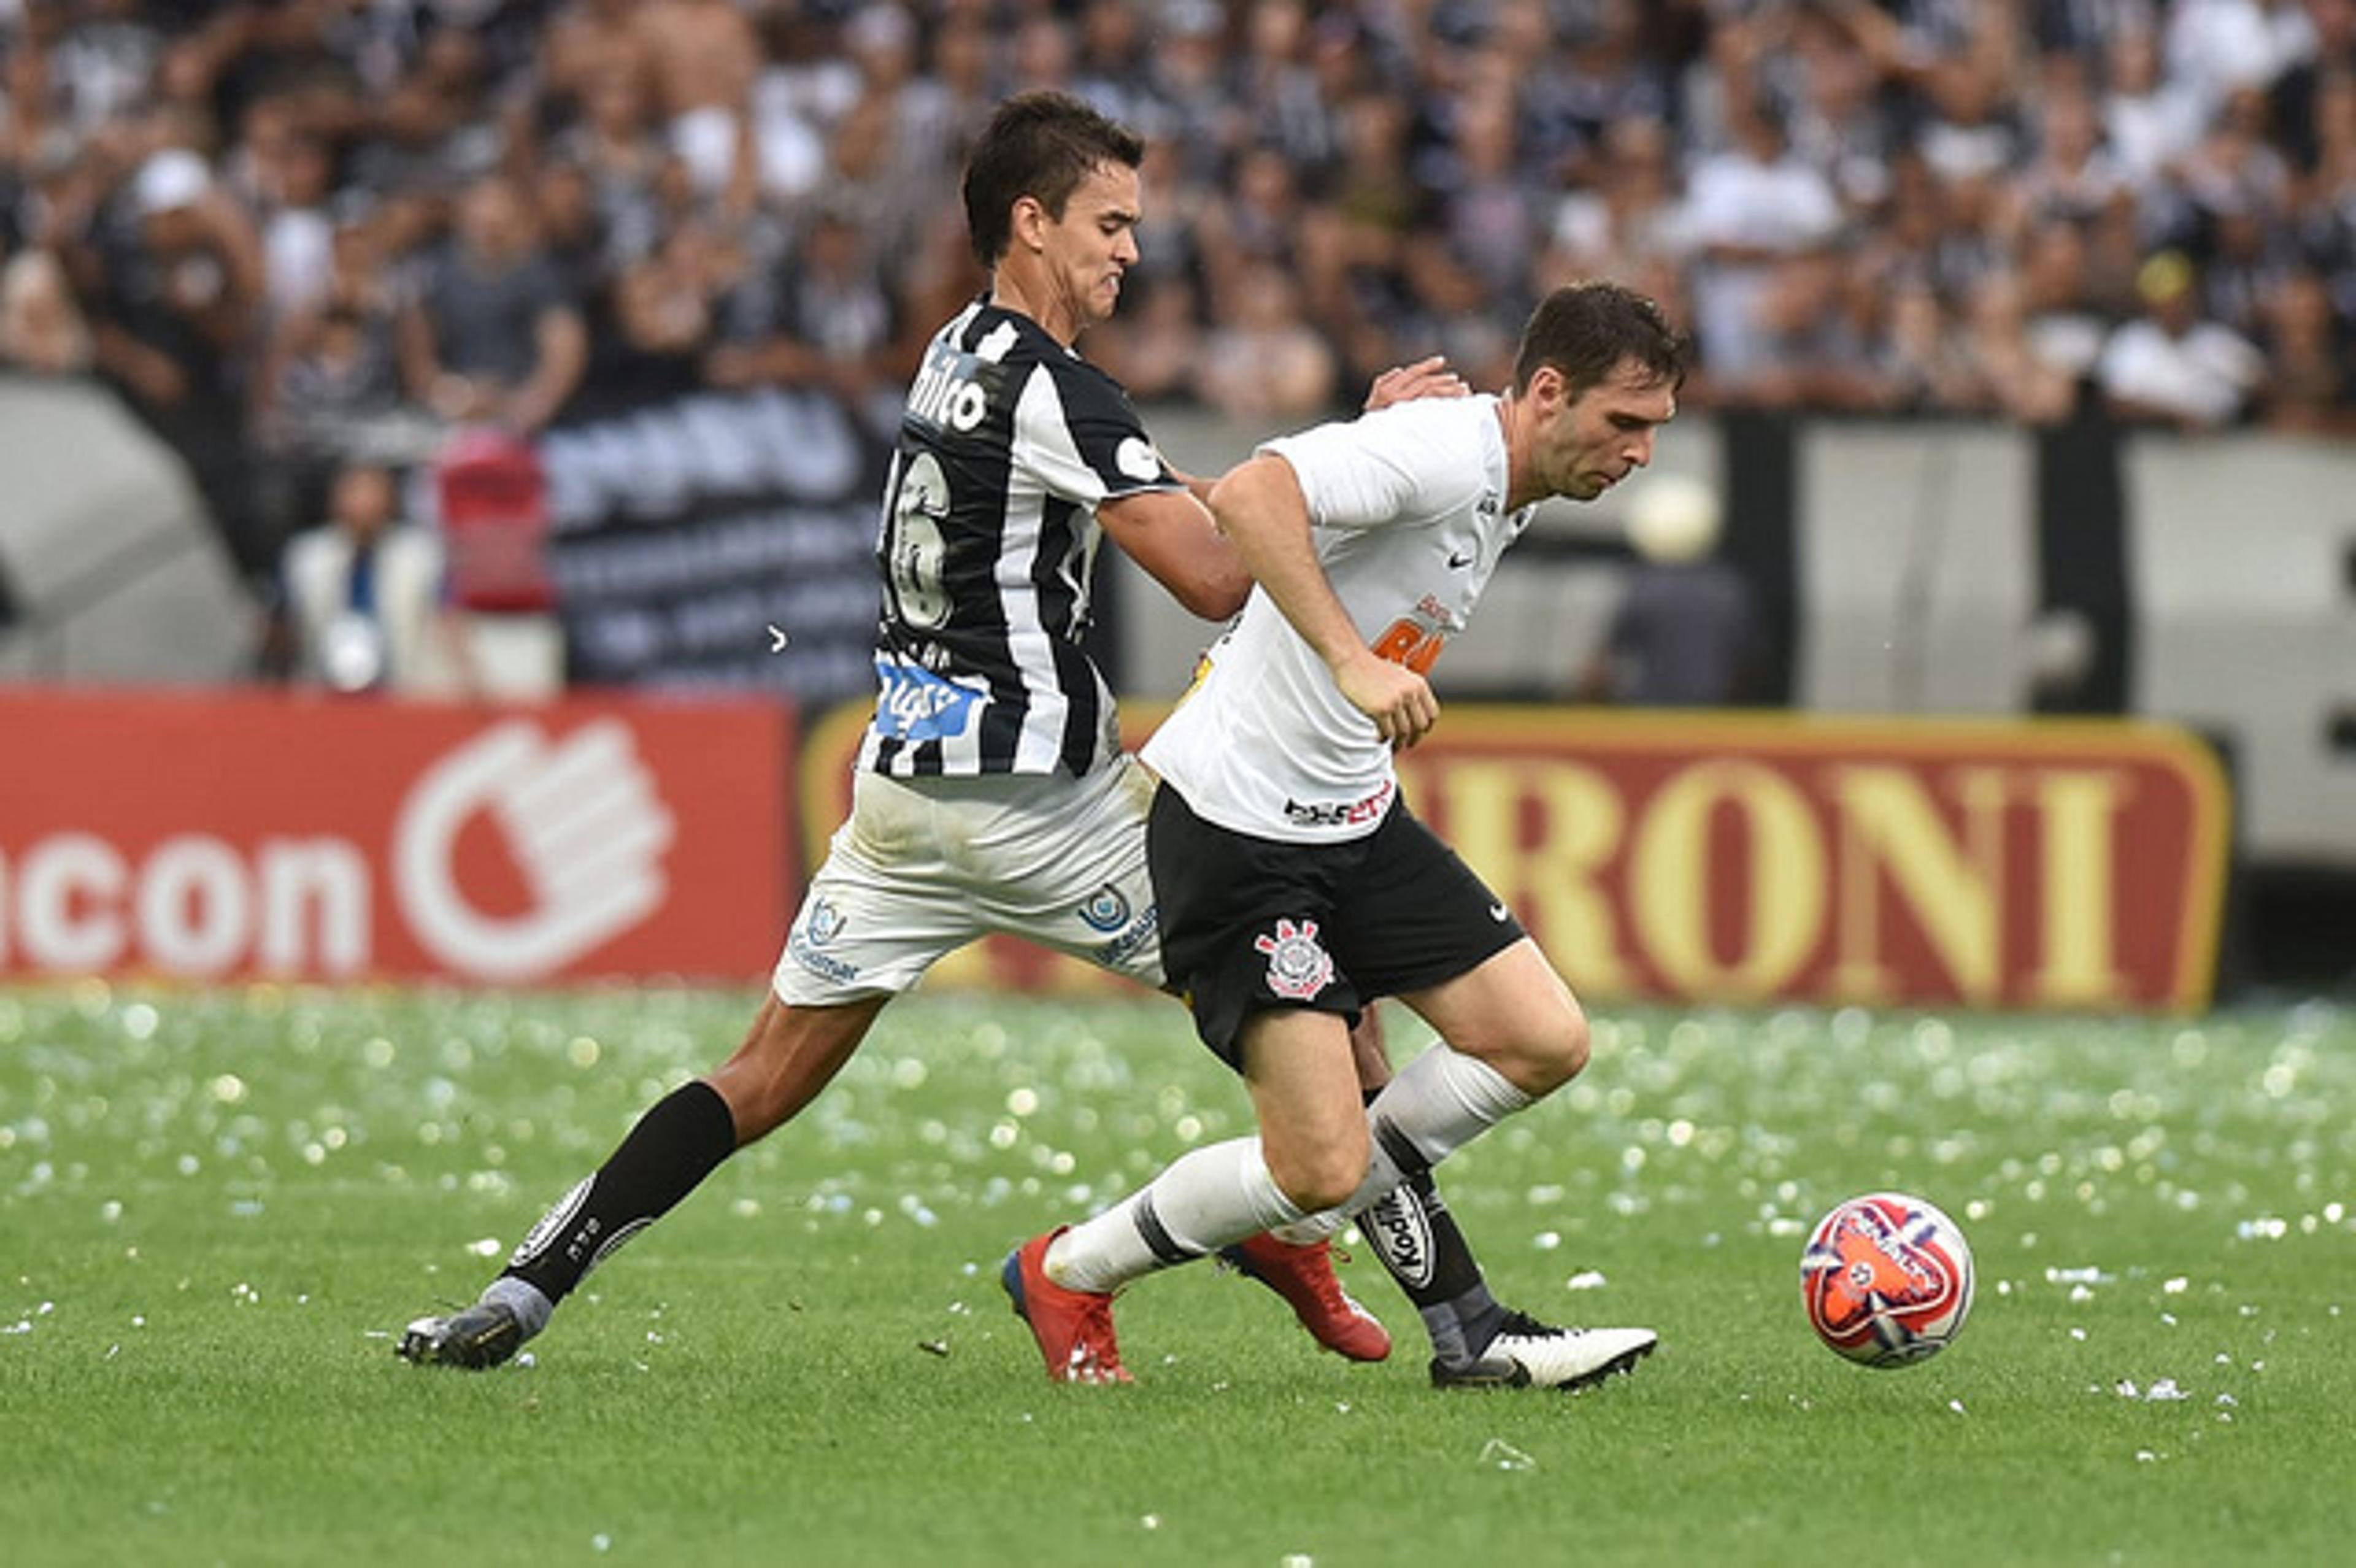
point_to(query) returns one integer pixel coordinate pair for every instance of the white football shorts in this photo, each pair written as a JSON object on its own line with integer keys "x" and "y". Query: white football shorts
{"x": 925, "y": 866}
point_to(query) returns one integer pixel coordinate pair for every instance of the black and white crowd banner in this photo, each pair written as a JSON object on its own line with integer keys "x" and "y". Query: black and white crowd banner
{"x": 683, "y": 531}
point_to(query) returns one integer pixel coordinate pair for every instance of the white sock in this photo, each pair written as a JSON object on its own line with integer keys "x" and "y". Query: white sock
{"x": 1316, "y": 1229}
{"x": 1445, "y": 1098}
{"x": 1438, "y": 1104}
{"x": 1205, "y": 1199}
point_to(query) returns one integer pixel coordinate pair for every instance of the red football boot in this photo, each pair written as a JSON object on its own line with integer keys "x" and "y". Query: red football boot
{"x": 1074, "y": 1328}
{"x": 1304, "y": 1277}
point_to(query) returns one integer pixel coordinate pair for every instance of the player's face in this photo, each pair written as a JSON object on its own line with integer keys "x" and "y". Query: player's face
{"x": 1588, "y": 443}
{"x": 1095, "y": 243}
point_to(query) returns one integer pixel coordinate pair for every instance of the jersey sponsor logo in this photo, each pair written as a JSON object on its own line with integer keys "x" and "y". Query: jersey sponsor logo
{"x": 1448, "y": 620}
{"x": 1298, "y": 968}
{"x": 917, "y": 705}
{"x": 1415, "y": 641}
{"x": 1402, "y": 1232}
{"x": 949, "y": 391}
{"x": 1106, "y": 909}
{"x": 1340, "y": 813}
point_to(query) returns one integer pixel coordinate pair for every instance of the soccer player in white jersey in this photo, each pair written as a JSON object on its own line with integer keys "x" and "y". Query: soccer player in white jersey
{"x": 1294, "y": 883}
{"x": 992, "y": 794}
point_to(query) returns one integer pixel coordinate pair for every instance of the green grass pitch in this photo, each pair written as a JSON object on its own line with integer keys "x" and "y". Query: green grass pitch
{"x": 216, "y": 1209}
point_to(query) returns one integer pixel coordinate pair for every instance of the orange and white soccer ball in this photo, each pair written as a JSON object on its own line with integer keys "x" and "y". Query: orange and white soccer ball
{"x": 1886, "y": 1279}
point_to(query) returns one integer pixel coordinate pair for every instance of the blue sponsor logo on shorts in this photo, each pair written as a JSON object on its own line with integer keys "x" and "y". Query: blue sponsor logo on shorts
{"x": 825, "y": 922}
{"x": 1122, "y": 948}
{"x": 819, "y": 925}
{"x": 1106, "y": 909}
{"x": 806, "y": 954}
{"x": 917, "y": 705}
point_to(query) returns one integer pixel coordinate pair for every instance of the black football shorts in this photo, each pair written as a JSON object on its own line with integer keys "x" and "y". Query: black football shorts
{"x": 1250, "y": 923}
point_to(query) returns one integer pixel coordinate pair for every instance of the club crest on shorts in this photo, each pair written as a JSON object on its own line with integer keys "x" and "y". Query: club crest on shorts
{"x": 1106, "y": 909}
{"x": 1297, "y": 968}
{"x": 825, "y": 922}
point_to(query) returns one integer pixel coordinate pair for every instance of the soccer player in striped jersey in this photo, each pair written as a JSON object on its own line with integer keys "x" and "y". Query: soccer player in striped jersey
{"x": 991, "y": 792}
{"x": 1296, "y": 885}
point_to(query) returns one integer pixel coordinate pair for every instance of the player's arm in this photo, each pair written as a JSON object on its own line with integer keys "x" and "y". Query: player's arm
{"x": 1169, "y": 533}
{"x": 1261, "y": 505}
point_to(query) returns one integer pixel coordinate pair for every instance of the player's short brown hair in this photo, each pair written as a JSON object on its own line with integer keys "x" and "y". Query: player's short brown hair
{"x": 1585, "y": 330}
{"x": 1039, "y": 145}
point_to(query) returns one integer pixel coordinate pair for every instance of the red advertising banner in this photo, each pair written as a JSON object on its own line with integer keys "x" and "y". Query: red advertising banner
{"x": 1751, "y": 859}
{"x": 243, "y": 835}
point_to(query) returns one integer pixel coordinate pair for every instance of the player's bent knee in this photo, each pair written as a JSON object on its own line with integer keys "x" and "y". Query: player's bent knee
{"x": 1560, "y": 1053}
{"x": 1317, "y": 1178}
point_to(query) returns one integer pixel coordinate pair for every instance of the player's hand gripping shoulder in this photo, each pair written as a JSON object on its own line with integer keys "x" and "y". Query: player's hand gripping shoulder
{"x": 1427, "y": 377}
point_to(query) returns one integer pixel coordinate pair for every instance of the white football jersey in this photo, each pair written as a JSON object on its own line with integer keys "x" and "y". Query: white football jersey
{"x": 1407, "y": 510}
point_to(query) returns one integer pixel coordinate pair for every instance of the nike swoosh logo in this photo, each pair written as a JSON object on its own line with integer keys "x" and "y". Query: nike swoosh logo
{"x": 1459, "y": 562}
{"x": 1500, "y": 913}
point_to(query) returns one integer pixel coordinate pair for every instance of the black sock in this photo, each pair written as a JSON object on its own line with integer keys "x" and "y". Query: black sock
{"x": 1419, "y": 1245}
{"x": 681, "y": 1139}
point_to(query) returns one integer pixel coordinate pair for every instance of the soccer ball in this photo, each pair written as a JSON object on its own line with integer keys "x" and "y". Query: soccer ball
{"x": 1886, "y": 1279}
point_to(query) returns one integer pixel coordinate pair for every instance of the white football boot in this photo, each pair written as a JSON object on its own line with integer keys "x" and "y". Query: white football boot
{"x": 1527, "y": 1354}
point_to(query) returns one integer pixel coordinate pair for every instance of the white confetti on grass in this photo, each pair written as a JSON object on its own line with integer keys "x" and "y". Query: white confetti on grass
{"x": 1586, "y": 1279}
{"x": 1503, "y": 1456}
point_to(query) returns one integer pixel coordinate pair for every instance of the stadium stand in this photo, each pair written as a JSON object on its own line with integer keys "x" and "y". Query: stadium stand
{"x": 296, "y": 237}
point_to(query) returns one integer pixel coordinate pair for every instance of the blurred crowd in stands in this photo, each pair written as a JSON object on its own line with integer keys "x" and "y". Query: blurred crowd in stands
{"x": 311, "y": 234}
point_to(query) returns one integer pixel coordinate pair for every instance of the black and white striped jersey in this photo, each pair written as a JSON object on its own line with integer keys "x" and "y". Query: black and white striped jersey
{"x": 1009, "y": 442}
